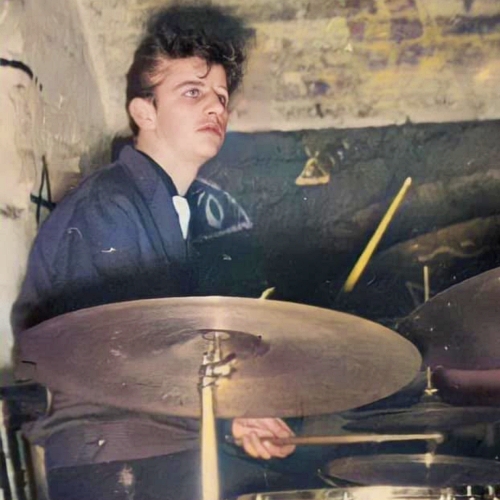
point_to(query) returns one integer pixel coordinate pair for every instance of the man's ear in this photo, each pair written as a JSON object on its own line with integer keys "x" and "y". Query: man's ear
{"x": 143, "y": 113}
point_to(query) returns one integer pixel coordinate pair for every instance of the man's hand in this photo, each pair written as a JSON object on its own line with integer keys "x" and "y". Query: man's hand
{"x": 249, "y": 430}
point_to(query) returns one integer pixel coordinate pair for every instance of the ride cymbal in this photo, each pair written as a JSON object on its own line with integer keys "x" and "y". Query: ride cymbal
{"x": 289, "y": 359}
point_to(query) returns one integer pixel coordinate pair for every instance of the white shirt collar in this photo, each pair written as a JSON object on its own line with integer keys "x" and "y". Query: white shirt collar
{"x": 182, "y": 208}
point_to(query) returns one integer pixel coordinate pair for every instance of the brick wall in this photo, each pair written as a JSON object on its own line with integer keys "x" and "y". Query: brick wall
{"x": 337, "y": 63}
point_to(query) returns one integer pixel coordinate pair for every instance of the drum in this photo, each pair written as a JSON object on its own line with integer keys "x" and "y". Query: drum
{"x": 381, "y": 493}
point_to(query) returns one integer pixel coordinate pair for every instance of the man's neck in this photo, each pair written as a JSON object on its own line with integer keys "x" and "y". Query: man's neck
{"x": 182, "y": 173}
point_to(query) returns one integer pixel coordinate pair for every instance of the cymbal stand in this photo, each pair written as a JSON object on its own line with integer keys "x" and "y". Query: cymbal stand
{"x": 430, "y": 392}
{"x": 430, "y": 397}
{"x": 212, "y": 368}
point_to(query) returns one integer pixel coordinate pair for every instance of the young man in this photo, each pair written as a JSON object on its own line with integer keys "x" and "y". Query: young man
{"x": 123, "y": 235}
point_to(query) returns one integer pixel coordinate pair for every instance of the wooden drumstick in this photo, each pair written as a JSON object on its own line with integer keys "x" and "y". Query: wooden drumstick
{"x": 426, "y": 284}
{"x": 209, "y": 460}
{"x": 362, "y": 262}
{"x": 351, "y": 439}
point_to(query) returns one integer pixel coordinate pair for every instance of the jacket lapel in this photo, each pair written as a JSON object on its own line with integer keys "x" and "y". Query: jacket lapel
{"x": 158, "y": 200}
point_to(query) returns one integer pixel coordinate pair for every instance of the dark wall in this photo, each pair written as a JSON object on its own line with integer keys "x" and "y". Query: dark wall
{"x": 305, "y": 240}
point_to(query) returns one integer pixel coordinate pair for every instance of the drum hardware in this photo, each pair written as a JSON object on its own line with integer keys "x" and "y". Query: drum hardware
{"x": 17, "y": 481}
{"x": 483, "y": 492}
{"x": 334, "y": 483}
{"x": 19, "y": 404}
{"x": 429, "y": 390}
{"x": 7, "y": 454}
{"x": 430, "y": 413}
{"x": 381, "y": 493}
{"x": 212, "y": 369}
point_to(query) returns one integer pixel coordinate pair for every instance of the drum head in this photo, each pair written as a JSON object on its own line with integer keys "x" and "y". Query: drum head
{"x": 358, "y": 493}
{"x": 414, "y": 470}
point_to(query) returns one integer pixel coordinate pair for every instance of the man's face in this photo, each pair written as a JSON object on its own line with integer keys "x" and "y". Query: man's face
{"x": 191, "y": 109}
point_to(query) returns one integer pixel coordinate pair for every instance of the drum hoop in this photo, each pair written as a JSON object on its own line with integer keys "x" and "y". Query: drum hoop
{"x": 348, "y": 493}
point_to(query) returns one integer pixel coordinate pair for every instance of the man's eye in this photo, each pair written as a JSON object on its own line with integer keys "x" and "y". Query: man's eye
{"x": 193, "y": 92}
{"x": 223, "y": 99}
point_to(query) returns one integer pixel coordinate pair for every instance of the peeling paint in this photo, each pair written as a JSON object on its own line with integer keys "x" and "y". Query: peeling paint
{"x": 11, "y": 212}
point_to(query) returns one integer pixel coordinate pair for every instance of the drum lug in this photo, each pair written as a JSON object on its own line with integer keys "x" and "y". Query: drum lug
{"x": 490, "y": 493}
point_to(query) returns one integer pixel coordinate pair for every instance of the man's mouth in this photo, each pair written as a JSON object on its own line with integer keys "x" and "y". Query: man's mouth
{"x": 211, "y": 127}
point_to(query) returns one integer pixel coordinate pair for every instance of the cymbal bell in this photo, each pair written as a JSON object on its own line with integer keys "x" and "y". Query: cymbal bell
{"x": 289, "y": 359}
{"x": 458, "y": 328}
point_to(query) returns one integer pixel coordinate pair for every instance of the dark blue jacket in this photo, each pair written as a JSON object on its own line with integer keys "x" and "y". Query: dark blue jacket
{"x": 115, "y": 237}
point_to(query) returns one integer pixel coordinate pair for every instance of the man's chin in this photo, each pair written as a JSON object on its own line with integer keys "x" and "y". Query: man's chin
{"x": 209, "y": 151}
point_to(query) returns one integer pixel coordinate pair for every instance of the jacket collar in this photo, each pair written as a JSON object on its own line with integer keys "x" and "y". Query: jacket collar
{"x": 158, "y": 197}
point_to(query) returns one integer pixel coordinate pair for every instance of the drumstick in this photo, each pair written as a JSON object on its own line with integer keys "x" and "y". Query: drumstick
{"x": 426, "y": 284}
{"x": 358, "y": 269}
{"x": 267, "y": 293}
{"x": 355, "y": 438}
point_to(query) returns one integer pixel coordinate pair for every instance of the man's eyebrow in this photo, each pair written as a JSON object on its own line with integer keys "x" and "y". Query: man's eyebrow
{"x": 196, "y": 83}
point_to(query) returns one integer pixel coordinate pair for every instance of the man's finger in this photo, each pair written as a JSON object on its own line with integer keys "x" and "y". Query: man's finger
{"x": 260, "y": 446}
{"x": 277, "y": 450}
{"x": 277, "y": 427}
{"x": 253, "y": 432}
{"x": 246, "y": 443}
{"x": 286, "y": 450}
{"x": 255, "y": 447}
{"x": 281, "y": 428}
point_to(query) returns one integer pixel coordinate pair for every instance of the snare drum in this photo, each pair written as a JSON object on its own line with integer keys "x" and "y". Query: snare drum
{"x": 381, "y": 493}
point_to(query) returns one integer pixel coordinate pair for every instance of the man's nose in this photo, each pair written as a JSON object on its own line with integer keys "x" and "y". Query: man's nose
{"x": 214, "y": 104}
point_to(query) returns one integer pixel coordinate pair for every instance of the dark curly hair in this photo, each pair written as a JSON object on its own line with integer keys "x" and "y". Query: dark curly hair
{"x": 179, "y": 31}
